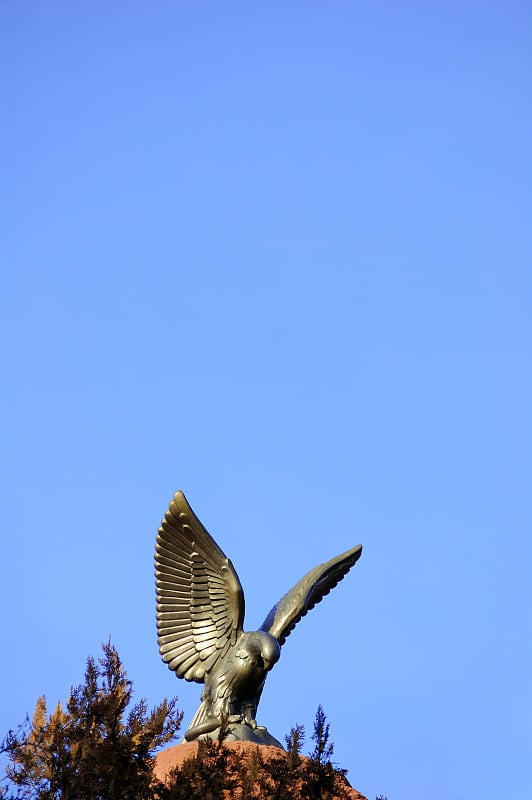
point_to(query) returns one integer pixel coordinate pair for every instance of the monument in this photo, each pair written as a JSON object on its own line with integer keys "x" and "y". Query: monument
{"x": 200, "y": 618}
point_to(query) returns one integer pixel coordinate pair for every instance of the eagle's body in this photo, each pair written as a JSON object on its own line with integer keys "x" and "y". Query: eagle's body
{"x": 234, "y": 688}
{"x": 200, "y": 615}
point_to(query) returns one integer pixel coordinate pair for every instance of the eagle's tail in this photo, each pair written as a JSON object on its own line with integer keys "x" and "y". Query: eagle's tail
{"x": 202, "y": 722}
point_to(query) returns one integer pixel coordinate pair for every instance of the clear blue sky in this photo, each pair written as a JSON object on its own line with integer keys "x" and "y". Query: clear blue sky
{"x": 278, "y": 255}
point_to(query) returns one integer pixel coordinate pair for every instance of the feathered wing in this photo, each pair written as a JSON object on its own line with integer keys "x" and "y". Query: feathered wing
{"x": 285, "y": 615}
{"x": 200, "y": 602}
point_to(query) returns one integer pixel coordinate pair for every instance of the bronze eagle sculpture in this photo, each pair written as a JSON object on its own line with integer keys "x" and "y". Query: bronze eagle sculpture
{"x": 200, "y": 618}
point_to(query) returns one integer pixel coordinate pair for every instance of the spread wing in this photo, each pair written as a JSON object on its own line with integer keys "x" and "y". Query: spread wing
{"x": 285, "y": 615}
{"x": 200, "y": 602}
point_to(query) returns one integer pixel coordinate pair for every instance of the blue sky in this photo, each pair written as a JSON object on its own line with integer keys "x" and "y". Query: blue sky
{"x": 278, "y": 255}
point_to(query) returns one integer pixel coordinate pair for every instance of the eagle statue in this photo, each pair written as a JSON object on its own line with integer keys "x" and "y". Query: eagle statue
{"x": 200, "y": 618}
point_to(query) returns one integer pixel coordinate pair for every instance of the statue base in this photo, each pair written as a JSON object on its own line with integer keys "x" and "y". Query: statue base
{"x": 240, "y": 732}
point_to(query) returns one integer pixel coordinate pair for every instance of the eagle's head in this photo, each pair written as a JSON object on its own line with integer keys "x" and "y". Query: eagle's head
{"x": 261, "y": 648}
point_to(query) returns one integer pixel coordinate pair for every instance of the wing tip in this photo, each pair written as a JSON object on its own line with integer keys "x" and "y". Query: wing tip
{"x": 354, "y": 553}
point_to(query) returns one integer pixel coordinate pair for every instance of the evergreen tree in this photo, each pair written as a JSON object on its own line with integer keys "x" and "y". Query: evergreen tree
{"x": 93, "y": 749}
{"x": 294, "y": 742}
{"x": 321, "y": 780}
{"x": 285, "y": 770}
{"x": 204, "y": 776}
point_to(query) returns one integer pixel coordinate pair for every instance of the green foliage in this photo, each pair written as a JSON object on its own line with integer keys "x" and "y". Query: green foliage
{"x": 205, "y": 776}
{"x": 294, "y": 742}
{"x": 93, "y": 749}
{"x": 320, "y": 778}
